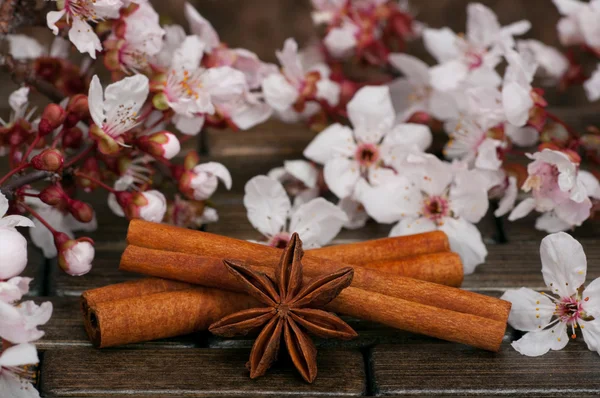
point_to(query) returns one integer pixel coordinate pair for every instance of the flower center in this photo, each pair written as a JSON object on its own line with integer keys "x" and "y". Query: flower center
{"x": 436, "y": 208}
{"x": 81, "y": 8}
{"x": 367, "y": 154}
{"x": 474, "y": 59}
{"x": 569, "y": 310}
{"x": 280, "y": 240}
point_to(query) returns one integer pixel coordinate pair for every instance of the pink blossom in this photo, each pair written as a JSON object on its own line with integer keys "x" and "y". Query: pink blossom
{"x": 15, "y": 380}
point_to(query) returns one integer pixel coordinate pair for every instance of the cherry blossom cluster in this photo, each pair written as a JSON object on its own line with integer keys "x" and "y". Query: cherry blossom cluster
{"x": 19, "y": 320}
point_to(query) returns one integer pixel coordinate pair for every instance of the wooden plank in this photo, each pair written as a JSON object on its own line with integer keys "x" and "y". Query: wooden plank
{"x": 270, "y": 138}
{"x": 65, "y": 329}
{"x": 36, "y": 264}
{"x": 518, "y": 264}
{"x": 197, "y": 372}
{"x": 453, "y": 369}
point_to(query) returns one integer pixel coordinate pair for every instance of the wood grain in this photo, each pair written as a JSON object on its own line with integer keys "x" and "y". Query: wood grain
{"x": 449, "y": 369}
{"x": 85, "y": 372}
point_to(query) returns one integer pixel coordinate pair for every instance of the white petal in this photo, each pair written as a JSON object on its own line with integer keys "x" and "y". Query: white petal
{"x": 3, "y": 205}
{"x": 591, "y": 334}
{"x": 564, "y": 264}
{"x": 588, "y": 22}
{"x": 267, "y": 204}
{"x": 569, "y": 32}
{"x": 412, "y": 67}
{"x": 433, "y": 175}
{"x": 507, "y": 203}
{"x": 340, "y": 41}
{"x": 335, "y": 139}
{"x": 13, "y": 386}
{"x": 522, "y": 209}
{"x": 279, "y": 93}
{"x": 52, "y": 18}
{"x": 483, "y": 27}
{"x": 522, "y": 136}
{"x": 487, "y": 155}
{"x": 341, "y": 176}
{"x": 13, "y": 253}
{"x": 189, "y": 125}
{"x": 85, "y": 39}
{"x": 290, "y": 61}
{"x": 534, "y": 344}
{"x": 410, "y": 226}
{"x": 329, "y": 91}
{"x": 568, "y": 7}
{"x": 469, "y": 197}
{"x": 201, "y": 27}
{"x": 303, "y": 171}
{"x": 23, "y": 47}
{"x": 19, "y": 355}
{"x": 530, "y": 310}
{"x": 96, "y": 101}
{"x": 550, "y": 223}
{"x": 449, "y": 75}
{"x": 409, "y": 135}
{"x": 517, "y": 103}
{"x": 18, "y": 100}
{"x": 444, "y": 105}
{"x": 371, "y": 113}
{"x": 216, "y": 169}
{"x": 188, "y": 54}
{"x": 592, "y": 85}
{"x": 15, "y": 221}
{"x": 591, "y": 296}
{"x": 392, "y": 201}
{"x": 123, "y": 101}
{"x": 357, "y": 216}
{"x": 224, "y": 83}
{"x": 465, "y": 240}
{"x": 574, "y": 213}
{"x": 317, "y": 222}
{"x": 587, "y": 179}
{"x": 441, "y": 43}
{"x": 153, "y": 211}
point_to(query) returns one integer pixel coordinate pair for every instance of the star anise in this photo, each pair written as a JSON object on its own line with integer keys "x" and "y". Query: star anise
{"x": 291, "y": 309}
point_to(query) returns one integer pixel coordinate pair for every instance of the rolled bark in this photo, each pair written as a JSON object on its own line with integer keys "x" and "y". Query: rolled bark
{"x": 392, "y": 252}
{"x": 161, "y": 237}
{"x": 467, "y": 317}
{"x": 159, "y": 315}
{"x": 385, "y": 249}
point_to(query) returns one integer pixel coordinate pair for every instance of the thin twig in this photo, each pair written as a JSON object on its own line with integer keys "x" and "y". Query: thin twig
{"x": 22, "y": 72}
{"x": 8, "y": 189}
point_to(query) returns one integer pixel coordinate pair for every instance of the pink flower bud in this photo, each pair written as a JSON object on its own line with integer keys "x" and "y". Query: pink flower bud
{"x": 49, "y": 160}
{"x": 52, "y": 117}
{"x": 72, "y": 138}
{"x": 91, "y": 168}
{"x": 13, "y": 253}
{"x": 82, "y": 212}
{"x": 150, "y": 206}
{"x": 162, "y": 144}
{"x": 75, "y": 256}
{"x": 77, "y": 110}
{"x": 53, "y": 195}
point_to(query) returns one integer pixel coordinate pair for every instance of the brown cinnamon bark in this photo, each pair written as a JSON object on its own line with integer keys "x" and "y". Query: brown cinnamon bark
{"x": 159, "y": 315}
{"x": 385, "y": 249}
{"x": 168, "y": 238}
{"x": 385, "y": 252}
{"x": 400, "y": 313}
{"x": 445, "y": 268}
{"x": 448, "y": 307}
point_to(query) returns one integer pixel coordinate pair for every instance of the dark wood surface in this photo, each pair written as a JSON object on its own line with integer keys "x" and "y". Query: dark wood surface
{"x": 381, "y": 361}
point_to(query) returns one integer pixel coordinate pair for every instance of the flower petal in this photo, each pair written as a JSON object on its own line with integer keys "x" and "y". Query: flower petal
{"x": 335, "y": 139}
{"x": 449, "y": 75}
{"x": 411, "y": 226}
{"x": 522, "y": 209}
{"x": 412, "y": 67}
{"x": 84, "y": 38}
{"x": 317, "y": 222}
{"x": 341, "y": 176}
{"x": 267, "y": 204}
{"x": 441, "y": 43}
{"x": 216, "y": 169}
{"x": 465, "y": 240}
{"x": 96, "y": 101}
{"x": 591, "y": 297}
{"x": 534, "y": 344}
{"x": 517, "y": 103}
{"x": 201, "y": 28}
{"x": 303, "y": 171}
{"x": 371, "y": 113}
{"x": 409, "y": 135}
{"x": 391, "y": 202}
{"x": 279, "y": 93}
{"x": 564, "y": 264}
{"x": 469, "y": 196}
{"x": 507, "y": 203}
{"x": 530, "y": 310}
{"x": 19, "y": 355}
{"x": 52, "y": 18}
{"x": 549, "y": 222}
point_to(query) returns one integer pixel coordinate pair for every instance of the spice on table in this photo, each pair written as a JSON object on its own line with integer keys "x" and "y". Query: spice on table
{"x": 386, "y": 252}
{"x": 291, "y": 306}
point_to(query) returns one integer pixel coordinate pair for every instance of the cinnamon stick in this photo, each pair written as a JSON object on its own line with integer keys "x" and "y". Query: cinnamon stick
{"x": 159, "y": 315}
{"x": 384, "y": 251}
{"x": 445, "y": 268}
{"x": 161, "y": 237}
{"x": 395, "y": 312}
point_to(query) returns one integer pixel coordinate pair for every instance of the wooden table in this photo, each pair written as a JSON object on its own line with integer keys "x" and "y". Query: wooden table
{"x": 382, "y": 361}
